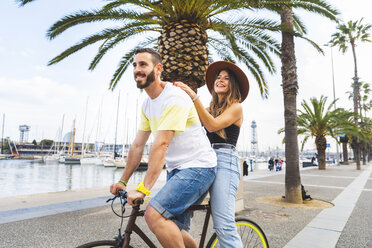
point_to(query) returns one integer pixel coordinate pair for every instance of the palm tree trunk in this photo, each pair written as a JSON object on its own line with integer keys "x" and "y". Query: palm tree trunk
{"x": 364, "y": 152}
{"x": 321, "y": 158}
{"x": 321, "y": 146}
{"x": 184, "y": 51}
{"x": 356, "y": 147}
{"x": 344, "y": 153}
{"x": 290, "y": 86}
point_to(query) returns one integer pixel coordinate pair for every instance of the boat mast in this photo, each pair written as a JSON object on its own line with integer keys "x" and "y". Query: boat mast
{"x": 116, "y": 129}
{"x": 125, "y": 127}
{"x": 2, "y": 136}
{"x": 60, "y": 135}
{"x": 85, "y": 121}
{"x": 73, "y": 138}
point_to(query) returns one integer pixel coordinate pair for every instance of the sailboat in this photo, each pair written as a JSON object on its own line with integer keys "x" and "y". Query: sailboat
{"x": 110, "y": 162}
{"x": 71, "y": 159}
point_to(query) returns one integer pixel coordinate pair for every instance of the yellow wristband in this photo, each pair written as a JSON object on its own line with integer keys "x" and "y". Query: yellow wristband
{"x": 141, "y": 188}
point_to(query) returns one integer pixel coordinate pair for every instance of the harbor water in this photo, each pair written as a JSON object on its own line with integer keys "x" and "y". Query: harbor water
{"x": 23, "y": 177}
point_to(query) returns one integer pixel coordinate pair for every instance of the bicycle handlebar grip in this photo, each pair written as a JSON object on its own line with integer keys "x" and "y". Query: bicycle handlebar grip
{"x": 122, "y": 193}
{"x": 139, "y": 201}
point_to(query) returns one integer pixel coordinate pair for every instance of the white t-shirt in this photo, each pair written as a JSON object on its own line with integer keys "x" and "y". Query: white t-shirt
{"x": 174, "y": 110}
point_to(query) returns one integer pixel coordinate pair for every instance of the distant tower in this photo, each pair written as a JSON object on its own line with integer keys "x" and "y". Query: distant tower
{"x": 23, "y": 129}
{"x": 254, "y": 145}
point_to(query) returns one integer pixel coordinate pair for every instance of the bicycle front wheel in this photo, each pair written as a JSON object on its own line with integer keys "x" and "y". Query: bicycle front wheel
{"x": 250, "y": 233}
{"x": 101, "y": 244}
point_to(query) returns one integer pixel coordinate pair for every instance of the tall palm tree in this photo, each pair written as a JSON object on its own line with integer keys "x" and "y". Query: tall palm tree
{"x": 292, "y": 26}
{"x": 364, "y": 101}
{"x": 317, "y": 120}
{"x": 183, "y": 31}
{"x": 349, "y": 34}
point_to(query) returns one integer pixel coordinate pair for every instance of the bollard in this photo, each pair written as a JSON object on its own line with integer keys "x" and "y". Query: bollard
{"x": 251, "y": 162}
{"x": 239, "y": 201}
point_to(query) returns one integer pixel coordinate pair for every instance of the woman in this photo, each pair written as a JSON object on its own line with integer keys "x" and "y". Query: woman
{"x": 229, "y": 87}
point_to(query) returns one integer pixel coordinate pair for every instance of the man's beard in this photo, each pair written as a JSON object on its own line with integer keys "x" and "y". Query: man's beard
{"x": 149, "y": 79}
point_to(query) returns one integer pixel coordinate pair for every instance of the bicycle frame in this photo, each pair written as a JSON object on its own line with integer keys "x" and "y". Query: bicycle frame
{"x": 132, "y": 226}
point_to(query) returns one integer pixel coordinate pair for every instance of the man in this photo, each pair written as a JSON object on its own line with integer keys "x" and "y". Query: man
{"x": 169, "y": 114}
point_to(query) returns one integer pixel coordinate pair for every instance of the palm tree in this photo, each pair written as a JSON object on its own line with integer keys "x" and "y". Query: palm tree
{"x": 348, "y": 35}
{"x": 315, "y": 120}
{"x": 188, "y": 31}
{"x": 364, "y": 103}
{"x": 292, "y": 26}
{"x": 365, "y": 135}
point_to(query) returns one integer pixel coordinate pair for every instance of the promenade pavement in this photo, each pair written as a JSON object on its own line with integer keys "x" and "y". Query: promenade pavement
{"x": 66, "y": 219}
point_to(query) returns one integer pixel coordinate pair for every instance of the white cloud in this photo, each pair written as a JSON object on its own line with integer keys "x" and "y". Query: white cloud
{"x": 41, "y": 68}
{"x": 35, "y": 91}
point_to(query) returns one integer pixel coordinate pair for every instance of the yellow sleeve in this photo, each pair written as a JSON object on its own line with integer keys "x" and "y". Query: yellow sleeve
{"x": 145, "y": 124}
{"x": 174, "y": 118}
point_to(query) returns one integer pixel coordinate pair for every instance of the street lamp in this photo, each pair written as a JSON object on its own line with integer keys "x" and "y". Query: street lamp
{"x": 334, "y": 98}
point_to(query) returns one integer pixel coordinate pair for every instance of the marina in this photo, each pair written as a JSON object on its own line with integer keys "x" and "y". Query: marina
{"x": 24, "y": 177}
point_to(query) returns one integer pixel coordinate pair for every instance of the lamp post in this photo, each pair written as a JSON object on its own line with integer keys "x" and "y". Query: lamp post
{"x": 334, "y": 98}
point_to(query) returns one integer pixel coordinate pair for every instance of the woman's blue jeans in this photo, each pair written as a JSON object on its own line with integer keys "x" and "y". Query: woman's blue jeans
{"x": 223, "y": 195}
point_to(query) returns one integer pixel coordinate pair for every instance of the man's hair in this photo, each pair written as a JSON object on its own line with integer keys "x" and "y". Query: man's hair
{"x": 156, "y": 59}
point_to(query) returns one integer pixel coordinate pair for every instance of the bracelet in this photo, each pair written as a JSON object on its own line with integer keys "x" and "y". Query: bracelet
{"x": 195, "y": 98}
{"x": 141, "y": 188}
{"x": 123, "y": 182}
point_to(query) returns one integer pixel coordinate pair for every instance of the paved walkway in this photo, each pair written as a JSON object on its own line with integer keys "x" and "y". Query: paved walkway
{"x": 65, "y": 219}
{"x": 327, "y": 226}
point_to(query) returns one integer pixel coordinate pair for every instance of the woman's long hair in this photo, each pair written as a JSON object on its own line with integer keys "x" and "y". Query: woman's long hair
{"x": 233, "y": 95}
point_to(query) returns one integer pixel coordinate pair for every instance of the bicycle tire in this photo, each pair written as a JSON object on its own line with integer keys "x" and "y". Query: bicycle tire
{"x": 251, "y": 234}
{"x": 101, "y": 244}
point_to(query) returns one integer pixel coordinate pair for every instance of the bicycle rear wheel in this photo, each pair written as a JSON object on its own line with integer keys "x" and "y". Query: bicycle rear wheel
{"x": 101, "y": 244}
{"x": 251, "y": 234}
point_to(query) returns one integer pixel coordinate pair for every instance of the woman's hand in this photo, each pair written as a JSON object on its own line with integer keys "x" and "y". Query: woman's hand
{"x": 185, "y": 88}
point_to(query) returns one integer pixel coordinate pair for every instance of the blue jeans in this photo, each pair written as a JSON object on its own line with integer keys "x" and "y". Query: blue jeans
{"x": 223, "y": 195}
{"x": 183, "y": 188}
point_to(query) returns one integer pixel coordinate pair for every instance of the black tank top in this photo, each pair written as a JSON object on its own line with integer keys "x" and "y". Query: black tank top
{"x": 232, "y": 134}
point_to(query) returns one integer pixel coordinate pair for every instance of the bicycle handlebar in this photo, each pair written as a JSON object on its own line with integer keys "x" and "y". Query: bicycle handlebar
{"x": 123, "y": 195}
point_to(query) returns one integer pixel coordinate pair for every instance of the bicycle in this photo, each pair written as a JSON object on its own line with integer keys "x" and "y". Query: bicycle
{"x": 251, "y": 233}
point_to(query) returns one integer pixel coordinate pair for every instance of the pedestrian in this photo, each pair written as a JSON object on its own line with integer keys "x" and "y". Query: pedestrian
{"x": 229, "y": 87}
{"x": 245, "y": 168}
{"x": 271, "y": 164}
{"x": 276, "y": 164}
{"x": 169, "y": 114}
{"x": 313, "y": 161}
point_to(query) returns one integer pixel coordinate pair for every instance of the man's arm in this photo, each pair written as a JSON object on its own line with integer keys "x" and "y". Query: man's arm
{"x": 134, "y": 159}
{"x": 155, "y": 164}
{"x": 157, "y": 157}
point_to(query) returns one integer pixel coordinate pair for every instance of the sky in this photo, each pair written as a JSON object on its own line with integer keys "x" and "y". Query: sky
{"x": 50, "y": 98}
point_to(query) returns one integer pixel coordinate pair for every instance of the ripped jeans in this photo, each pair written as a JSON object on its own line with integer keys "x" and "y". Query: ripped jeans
{"x": 223, "y": 194}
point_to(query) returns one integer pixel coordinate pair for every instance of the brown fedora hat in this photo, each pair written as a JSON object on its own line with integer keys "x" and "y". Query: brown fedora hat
{"x": 216, "y": 67}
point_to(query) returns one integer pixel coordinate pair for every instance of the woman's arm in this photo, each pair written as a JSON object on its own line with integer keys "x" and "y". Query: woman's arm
{"x": 231, "y": 115}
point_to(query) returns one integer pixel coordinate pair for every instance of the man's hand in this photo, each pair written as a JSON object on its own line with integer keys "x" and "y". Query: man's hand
{"x": 114, "y": 188}
{"x": 133, "y": 196}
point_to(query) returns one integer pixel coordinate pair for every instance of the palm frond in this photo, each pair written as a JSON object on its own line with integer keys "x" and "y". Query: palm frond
{"x": 96, "y": 16}
{"x": 23, "y": 2}
{"x": 121, "y": 33}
